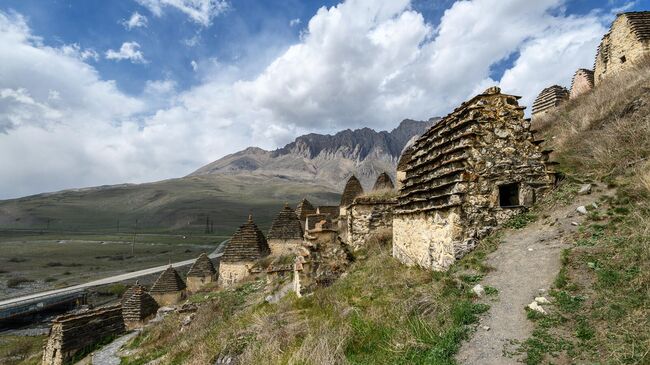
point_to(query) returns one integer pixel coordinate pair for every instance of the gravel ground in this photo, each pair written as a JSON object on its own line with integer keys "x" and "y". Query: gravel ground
{"x": 526, "y": 263}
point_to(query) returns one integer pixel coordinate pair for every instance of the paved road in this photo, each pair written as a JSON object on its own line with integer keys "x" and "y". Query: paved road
{"x": 113, "y": 279}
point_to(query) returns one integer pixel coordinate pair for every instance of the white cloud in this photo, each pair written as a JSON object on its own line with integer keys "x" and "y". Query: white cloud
{"x": 75, "y": 50}
{"x": 136, "y": 20}
{"x": 195, "y": 66}
{"x": 360, "y": 63}
{"x": 294, "y": 22}
{"x": 193, "y": 41}
{"x": 128, "y": 51}
{"x": 200, "y": 11}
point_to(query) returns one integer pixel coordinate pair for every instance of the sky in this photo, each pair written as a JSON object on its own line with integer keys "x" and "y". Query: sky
{"x": 96, "y": 92}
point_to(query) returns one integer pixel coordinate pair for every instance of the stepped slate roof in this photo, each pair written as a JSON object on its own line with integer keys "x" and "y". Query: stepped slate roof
{"x": 137, "y": 304}
{"x": 286, "y": 225}
{"x": 639, "y": 23}
{"x": 169, "y": 281}
{"x": 550, "y": 98}
{"x": 352, "y": 190}
{"x": 202, "y": 267}
{"x": 404, "y": 159}
{"x": 304, "y": 208}
{"x": 247, "y": 244}
{"x": 383, "y": 182}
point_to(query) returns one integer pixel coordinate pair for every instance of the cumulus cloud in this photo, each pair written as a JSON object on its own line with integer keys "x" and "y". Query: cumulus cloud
{"x": 136, "y": 20}
{"x": 83, "y": 54}
{"x": 360, "y": 63}
{"x": 200, "y": 11}
{"x": 128, "y": 51}
{"x": 294, "y": 22}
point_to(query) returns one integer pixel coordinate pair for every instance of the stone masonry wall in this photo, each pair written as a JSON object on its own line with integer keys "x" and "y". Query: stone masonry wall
{"x": 231, "y": 273}
{"x": 619, "y": 49}
{"x": 71, "y": 333}
{"x": 427, "y": 240}
{"x": 280, "y": 247}
{"x": 366, "y": 218}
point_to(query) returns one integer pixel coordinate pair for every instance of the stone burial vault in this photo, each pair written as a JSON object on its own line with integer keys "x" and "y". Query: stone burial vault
{"x": 470, "y": 172}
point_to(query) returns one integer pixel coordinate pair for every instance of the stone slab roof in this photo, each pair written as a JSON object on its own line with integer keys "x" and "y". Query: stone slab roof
{"x": 383, "y": 182}
{"x": 202, "y": 267}
{"x": 352, "y": 190}
{"x": 550, "y": 98}
{"x": 247, "y": 244}
{"x": 304, "y": 208}
{"x": 137, "y": 304}
{"x": 168, "y": 282}
{"x": 286, "y": 225}
{"x": 639, "y": 23}
{"x": 331, "y": 210}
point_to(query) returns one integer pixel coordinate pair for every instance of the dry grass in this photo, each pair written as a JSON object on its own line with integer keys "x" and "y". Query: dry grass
{"x": 606, "y": 132}
{"x": 602, "y": 294}
{"x": 380, "y": 312}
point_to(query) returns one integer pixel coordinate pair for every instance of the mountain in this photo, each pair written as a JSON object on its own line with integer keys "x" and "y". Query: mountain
{"x": 325, "y": 159}
{"x": 253, "y": 180}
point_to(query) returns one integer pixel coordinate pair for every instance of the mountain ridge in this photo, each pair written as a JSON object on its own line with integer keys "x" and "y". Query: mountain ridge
{"x": 325, "y": 158}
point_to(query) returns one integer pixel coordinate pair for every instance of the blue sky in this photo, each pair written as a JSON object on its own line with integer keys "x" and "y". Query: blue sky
{"x": 220, "y": 75}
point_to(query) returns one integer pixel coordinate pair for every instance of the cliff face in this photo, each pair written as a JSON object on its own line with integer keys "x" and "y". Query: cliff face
{"x": 327, "y": 159}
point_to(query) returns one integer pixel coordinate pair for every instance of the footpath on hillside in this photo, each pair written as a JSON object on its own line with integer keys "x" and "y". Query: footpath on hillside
{"x": 525, "y": 264}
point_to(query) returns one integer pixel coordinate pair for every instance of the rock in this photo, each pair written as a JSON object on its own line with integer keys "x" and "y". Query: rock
{"x": 585, "y": 189}
{"x": 541, "y": 300}
{"x": 594, "y": 205}
{"x": 478, "y": 290}
{"x": 187, "y": 320}
{"x": 575, "y": 224}
{"x": 487, "y": 328}
{"x": 536, "y": 307}
{"x": 581, "y": 209}
{"x": 530, "y": 249}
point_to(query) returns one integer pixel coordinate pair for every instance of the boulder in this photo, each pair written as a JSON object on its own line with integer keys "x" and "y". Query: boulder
{"x": 581, "y": 209}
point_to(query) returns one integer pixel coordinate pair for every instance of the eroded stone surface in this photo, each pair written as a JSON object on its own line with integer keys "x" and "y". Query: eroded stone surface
{"x": 470, "y": 172}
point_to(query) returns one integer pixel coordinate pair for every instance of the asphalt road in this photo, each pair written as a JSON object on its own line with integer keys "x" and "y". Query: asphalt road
{"x": 110, "y": 280}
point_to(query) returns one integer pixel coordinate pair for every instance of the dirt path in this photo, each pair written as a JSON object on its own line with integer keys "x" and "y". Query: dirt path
{"x": 526, "y": 263}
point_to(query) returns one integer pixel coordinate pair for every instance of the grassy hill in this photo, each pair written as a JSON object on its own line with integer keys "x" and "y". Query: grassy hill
{"x": 382, "y": 312}
{"x": 177, "y": 205}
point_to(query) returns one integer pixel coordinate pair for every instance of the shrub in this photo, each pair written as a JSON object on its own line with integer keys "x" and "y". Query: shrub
{"x": 17, "y": 281}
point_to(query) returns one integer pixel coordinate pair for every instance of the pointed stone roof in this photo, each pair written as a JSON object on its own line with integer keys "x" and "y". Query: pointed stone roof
{"x": 352, "y": 190}
{"x": 286, "y": 225}
{"x": 639, "y": 23}
{"x": 202, "y": 267}
{"x": 383, "y": 182}
{"x": 550, "y": 98}
{"x": 404, "y": 159}
{"x": 137, "y": 304}
{"x": 169, "y": 281}
{"x": 247, "y": 244}
{"x": 304, "y": 209}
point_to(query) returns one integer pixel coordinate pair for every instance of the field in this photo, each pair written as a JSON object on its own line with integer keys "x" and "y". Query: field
{"x": 32, "y": 263}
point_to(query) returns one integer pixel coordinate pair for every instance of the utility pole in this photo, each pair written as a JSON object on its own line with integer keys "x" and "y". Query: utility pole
{"x": 135, "y": 231}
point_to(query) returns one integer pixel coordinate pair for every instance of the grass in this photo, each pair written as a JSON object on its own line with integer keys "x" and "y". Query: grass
{"x": 380, "y": 312}
{"x": 17, "y": 281}
{"x": 21, "y": 350}
{"x": 601, "y": 300}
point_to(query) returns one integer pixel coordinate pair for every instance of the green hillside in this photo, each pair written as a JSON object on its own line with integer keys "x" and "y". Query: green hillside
{"x": 177, "y": 205}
